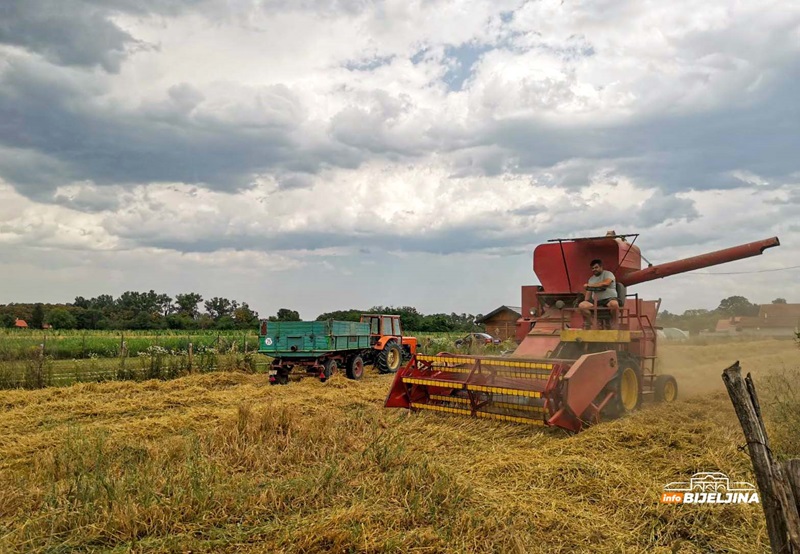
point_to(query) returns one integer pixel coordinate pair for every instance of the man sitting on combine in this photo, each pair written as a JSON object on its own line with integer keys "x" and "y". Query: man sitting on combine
{"x": 602, "y": 286}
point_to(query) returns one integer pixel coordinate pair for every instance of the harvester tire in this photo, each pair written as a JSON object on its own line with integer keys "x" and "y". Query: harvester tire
{"x": 330, "y": 367}
{"x": 355, "y": 368}
{"x": 665, "y": 388}
{"x": 626, "y": 386}
{"x": 388, "y": 359}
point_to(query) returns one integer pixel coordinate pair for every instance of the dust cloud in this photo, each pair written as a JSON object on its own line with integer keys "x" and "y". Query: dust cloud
{"x": 698, "y": 364}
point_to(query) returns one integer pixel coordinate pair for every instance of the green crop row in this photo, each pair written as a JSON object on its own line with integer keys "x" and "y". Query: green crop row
{"x": 155, "y": 363}
{"x": 66, "y": 345}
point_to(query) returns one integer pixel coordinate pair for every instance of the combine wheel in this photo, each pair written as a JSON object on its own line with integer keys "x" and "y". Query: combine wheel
{"x": 627, "y": 388}
{"x": 355, "y": 368}
{"x": 666, "y": 388}
{"x": 388, "y": 360}
{"x": 330, "y": 368}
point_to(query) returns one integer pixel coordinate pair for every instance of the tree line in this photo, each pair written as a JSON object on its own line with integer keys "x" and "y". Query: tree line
{"x": 152, "y": 310}
{"x": 696, "y": 320}
{"x": 134, "y": 310}
{"x": 412, "y": 320}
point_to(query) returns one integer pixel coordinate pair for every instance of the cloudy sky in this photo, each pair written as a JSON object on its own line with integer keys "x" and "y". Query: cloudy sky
{"x": 327, "y": 154}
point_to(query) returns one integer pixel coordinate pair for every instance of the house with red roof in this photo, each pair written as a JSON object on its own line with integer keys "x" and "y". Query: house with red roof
{"x": 773, "y": 320}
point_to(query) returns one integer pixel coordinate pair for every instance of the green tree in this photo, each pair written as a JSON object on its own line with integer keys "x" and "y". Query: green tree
{"x": 205, "y": 321}
{"x": 285, "y": 314}
{"x": 436, "y": 323}
{"x": 226, "y": 322}
{"x": 7, "y": 320}
{"x": 779, "y": 301}
{"x": 737, "y": 306}
{"x": 410, "y": 318}
{"x": 61, "y": 318}
{"x": 104, "y": 303}
{"x": 88, "y": 318}
{"x": 187, "y": 304}
{"x": 244, "y": 316}
{"x": 181, "y": 321}
{"x": 219, "y": 307}
{"x": 342, "y": 315}
{"x": 37, "y": 317}
{"x": 165, "y": 304}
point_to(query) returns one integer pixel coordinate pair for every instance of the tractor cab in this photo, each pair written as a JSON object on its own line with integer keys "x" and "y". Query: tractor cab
{"x": 383, "y": 325}
{"x": 386, "y": 335}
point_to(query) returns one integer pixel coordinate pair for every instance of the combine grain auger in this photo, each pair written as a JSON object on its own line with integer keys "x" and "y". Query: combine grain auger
{"x": 562, "y": 374}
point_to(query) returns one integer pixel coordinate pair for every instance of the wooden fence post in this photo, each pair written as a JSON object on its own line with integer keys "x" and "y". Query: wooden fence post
{"x": 778, "y": 500}
{"x": 191, "y": 370}
{"x": 123, "y": 354}
{"x": 792, "y": 471}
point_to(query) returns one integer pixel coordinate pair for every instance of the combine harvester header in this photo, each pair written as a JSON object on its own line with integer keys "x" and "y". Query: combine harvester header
{"x": 561, "y": 373}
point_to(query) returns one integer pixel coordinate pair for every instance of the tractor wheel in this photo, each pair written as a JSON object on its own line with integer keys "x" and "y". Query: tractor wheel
{"x": 330, "y": 368}
{"x": 388, "y": 360}
{"x": 626, "y": 386}
{"x": 355, "y": 368}
{"x": 666, "y": 388}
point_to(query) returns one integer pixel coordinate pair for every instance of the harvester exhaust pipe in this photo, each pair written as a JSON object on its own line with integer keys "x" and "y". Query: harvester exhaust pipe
{"x": 698, "y": 262}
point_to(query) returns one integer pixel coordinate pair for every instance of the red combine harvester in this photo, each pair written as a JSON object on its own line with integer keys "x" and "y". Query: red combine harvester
{"x": 562, "y": 374}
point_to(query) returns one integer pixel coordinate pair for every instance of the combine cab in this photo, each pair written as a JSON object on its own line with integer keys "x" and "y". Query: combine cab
{"x": 561, "y": 373}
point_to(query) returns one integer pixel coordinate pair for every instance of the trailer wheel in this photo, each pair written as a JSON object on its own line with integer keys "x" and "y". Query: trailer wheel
{"x": 282, "y": 378}
{"x": 666, "y": 388}
{"x": 389, "y": 358}
{"x": 355, "y": 368}
{"x": 282, "y": 372}
{"x": 329, "y": 368}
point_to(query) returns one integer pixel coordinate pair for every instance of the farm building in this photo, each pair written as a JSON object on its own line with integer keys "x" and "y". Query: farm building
{"x": 501, "y": 322}
{"x": 774, "y": 320}
{"x": 20, "y": 324}
{"x": 728, "y": 326}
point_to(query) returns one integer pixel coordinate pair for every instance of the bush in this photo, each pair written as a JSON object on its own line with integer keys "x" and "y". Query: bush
{"x": 782, "y": 404}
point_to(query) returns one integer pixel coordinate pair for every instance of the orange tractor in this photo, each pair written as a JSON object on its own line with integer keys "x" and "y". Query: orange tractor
{"x": 562, "y": 373}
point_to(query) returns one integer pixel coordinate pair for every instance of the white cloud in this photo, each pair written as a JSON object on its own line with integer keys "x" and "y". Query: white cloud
{"x": 322, "y": 138}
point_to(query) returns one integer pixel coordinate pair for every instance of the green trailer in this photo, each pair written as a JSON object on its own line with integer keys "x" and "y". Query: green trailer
{"x": 318, "y": 347}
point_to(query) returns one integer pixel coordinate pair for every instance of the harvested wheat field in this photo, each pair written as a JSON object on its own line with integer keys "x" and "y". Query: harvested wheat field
{"x": 227, "y": 463}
